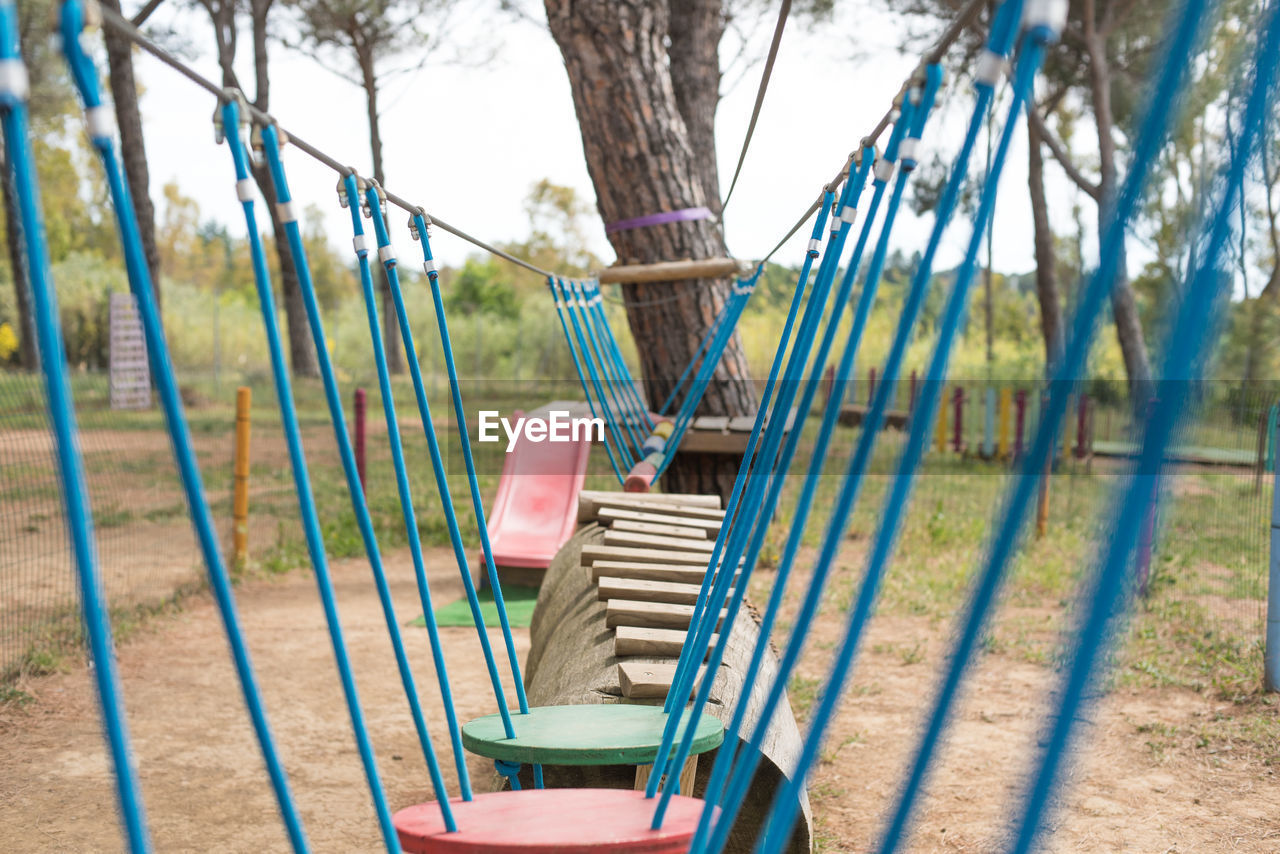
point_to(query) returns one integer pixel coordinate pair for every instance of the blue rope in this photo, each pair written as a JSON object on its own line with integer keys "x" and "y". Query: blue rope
{"x": 711, "y": 614}
{"x": 916, "y": 111}
{"x": 315, "y": 541}
{"x": 786, "y": 802}
{"x": 734, "y": 307}
{"x": 62, "y": 417}
{"x": 924, "y": 97}
{"x": 712, "y": 578}
{"x": 582, "y": 378}
{"x": 737, "y": 539}
{"x": 624, "y": 451}
{"x": 742, "y": 774}
{"x": 697, "y": 354}
{"x": 402, "y": 487}
{"x": 626, "y": 381}
{"x": 1189, "y": 343}
{"x": 1020, "y": 498}
{"x": 600, "y": 349}
{"x": 473, "y": 485}
{"x": 438, "y": 470}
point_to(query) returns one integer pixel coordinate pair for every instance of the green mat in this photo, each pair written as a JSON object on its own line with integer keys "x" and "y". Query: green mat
{"x": 519, "y": 602}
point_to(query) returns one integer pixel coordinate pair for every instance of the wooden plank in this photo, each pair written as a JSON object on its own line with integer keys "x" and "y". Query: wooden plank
{"x": 634, "y": 640}
{"x": 653, "y": 498}
{"x": 714, "y": 442}
{"x": 711, "y": 423}
{"x": 647, "y": 590}
{"x": 611, "y": 515}
{"x": 629, "y": 539}
{"x": 688, "y": 774}
{"x": 592, "y": 553}
{"x": 742, "y": 424}
{"x": 646, "y": 681}
{"x": 702, "y": 506}
{"x": 651, "y": 571}
{"x": 634, "y": 527}
{"x": 670, "y": 271}
{"x": 653, "y": 615}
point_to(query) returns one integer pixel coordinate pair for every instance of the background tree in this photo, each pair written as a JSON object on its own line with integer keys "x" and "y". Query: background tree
{"x": 636, "y": 104}
{"x": 368, "y": 35}
{"x": 224, "y": 15}
{"x": 133, "y": 149}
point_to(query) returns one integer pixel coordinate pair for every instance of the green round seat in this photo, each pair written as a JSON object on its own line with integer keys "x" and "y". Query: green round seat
{"x": 599, "y": 734}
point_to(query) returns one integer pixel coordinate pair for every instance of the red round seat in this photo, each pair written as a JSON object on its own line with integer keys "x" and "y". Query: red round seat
{"x": 563, "y": 821}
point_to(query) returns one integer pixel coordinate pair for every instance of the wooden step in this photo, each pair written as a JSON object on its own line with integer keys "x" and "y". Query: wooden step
{"x": 704, "y": 506}
{"x": 628, "y": 539}
{"x": 593, "y": 553}
{"x": 613, "y": 515}
{"x": 634, "y": 640}
{"x": 652, "y": 615}
{"x": 645, "y": 590}
{"x": 711, "y": 422}
{"x": 651, "y": 571}
{"x": 647, "y": 681}
{"x": 658, "y": 529}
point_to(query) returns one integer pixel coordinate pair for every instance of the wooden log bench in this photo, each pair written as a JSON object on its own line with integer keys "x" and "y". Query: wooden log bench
{"x": 608, "y": 628}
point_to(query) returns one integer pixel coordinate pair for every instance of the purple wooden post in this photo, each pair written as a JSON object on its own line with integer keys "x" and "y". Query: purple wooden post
{"x": 1020, "y": 420}
{"x": 359, "y": 438}
{"x": 957, "y": 440}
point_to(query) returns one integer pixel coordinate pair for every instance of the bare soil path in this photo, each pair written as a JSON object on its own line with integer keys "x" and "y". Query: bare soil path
{"x": 1142, "y": 784}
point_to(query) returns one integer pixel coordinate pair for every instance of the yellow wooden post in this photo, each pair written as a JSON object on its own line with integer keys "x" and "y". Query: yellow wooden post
{"x": 240, "y": 497}
{"x": 940, "y": 435}
{"x": 1006, "y": 409}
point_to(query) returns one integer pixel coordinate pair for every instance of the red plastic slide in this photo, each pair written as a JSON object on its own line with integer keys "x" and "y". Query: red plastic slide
{"x": 536, "y": 509}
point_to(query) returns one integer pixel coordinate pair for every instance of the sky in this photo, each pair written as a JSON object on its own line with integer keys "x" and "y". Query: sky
{"x": 467, "y": 142}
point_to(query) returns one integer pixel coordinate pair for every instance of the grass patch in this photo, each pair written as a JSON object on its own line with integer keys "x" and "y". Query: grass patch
{"x": 519, "y": 602}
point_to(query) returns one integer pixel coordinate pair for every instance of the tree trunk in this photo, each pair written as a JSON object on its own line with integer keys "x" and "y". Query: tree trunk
{"x": 1124, "y": 304}
{"x": 302, "y": 355}
{"x": 1046, "y": 272}
{"x": 28, "y": 355}
{"x": 695, "y": 30}
{"x": 390, "y": 327}
{"x": 133, "y": 152}
{"x": 641, "y": 161}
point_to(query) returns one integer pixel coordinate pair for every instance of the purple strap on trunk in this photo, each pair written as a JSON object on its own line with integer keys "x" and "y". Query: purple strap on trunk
{"x": 682, "y": 215}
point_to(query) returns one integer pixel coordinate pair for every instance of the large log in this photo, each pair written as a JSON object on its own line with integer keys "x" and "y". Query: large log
{"x": 572, "y": 661}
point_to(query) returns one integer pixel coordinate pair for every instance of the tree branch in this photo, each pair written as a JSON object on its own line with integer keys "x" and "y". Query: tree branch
{"x": 1059, "y": 152}
{"x": 145, "y": 12}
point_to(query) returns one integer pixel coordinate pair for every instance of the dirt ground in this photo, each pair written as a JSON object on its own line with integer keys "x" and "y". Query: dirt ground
{"x": 205, "y": 789}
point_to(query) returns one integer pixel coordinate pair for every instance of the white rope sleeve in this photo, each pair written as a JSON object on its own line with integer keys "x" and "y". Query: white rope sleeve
{"x": 849, "y": 214}
{"x": 100, "y": 121}
{"x": 13, "y": 79}
{"x": 286, "y": 211}
{"x": 1045, "y": 13}
{"x": 244, "y": 189}
{"x": 360, "y": 244}
{"x": 386, "y": 253}
{"x": 429, "y": 266}
{"x": 815, "y": 245}
{"x": 908, "y": 149}
{"x": 883, "y": 170}
{"x": 990, "y": 68}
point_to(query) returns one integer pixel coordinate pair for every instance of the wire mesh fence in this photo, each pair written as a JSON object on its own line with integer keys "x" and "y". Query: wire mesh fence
{"x": 1207, "y": 563}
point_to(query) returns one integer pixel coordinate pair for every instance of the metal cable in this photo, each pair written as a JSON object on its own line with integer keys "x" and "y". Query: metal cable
{"x": 962, "y": 21}
{"x": 755, "y": 111}
{"x": 117, "y": 22}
